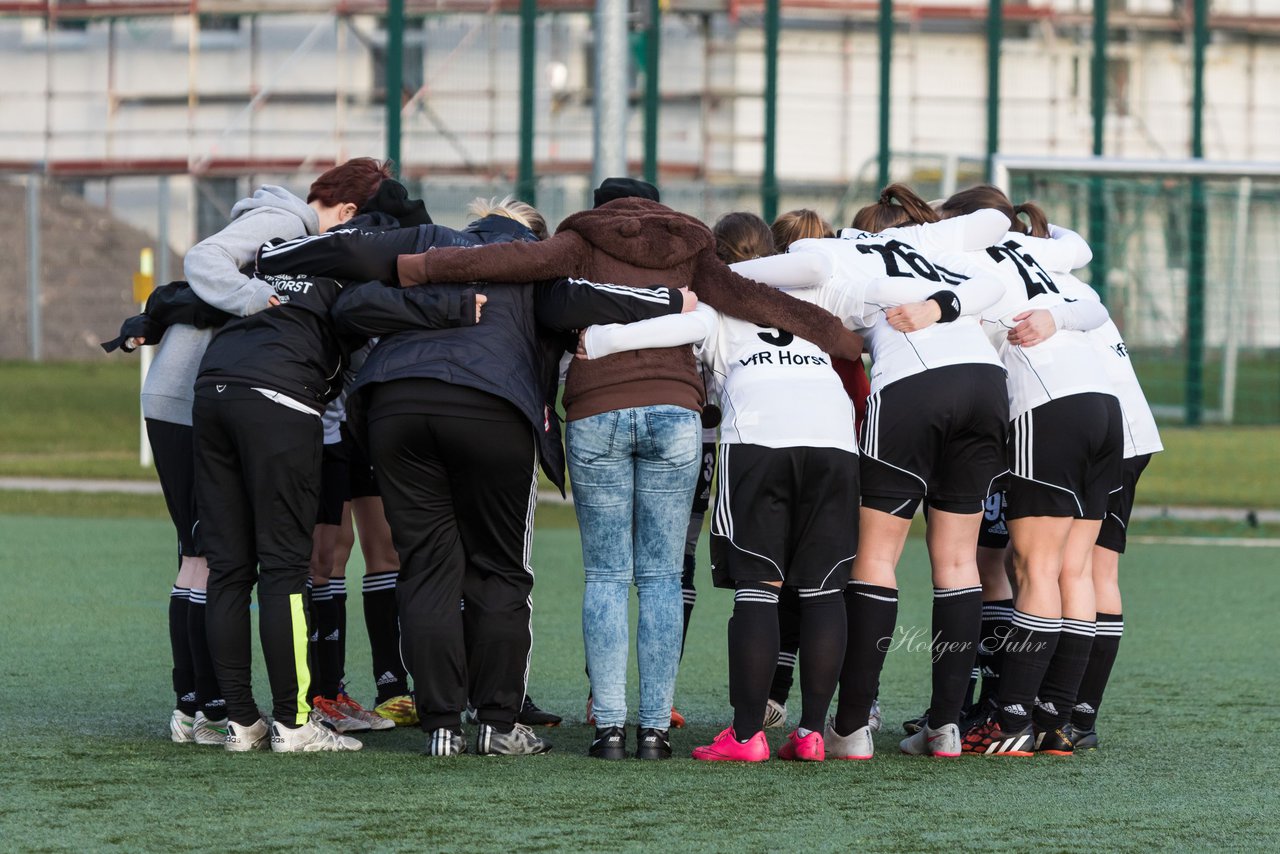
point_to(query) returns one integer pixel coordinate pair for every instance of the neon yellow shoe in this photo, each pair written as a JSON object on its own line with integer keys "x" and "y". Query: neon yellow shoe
{"x": 402, "y": 710}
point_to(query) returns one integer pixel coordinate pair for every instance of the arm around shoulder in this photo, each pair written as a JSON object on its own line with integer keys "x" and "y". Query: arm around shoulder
{"x": 562, "y": 255}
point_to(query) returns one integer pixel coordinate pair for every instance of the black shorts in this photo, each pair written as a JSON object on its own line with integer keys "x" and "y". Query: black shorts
{"x": 1065, "y": 457}
{"x": 1115, "y": 527}
{"x": 785, "y": 514}
{"x": 360, "y": 471}
{"x": 939, "y": 434}
{"x": 335, "y": 483}
{"x": 174, "y": 453}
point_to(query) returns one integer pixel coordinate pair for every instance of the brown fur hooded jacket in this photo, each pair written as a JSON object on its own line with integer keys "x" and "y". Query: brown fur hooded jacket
{"x": 638, "y": 243}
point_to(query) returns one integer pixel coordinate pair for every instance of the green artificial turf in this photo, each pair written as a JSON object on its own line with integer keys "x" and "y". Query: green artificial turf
{"x": 88, "y": 765}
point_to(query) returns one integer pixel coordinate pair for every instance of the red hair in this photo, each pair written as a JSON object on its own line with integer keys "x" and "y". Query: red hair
{"x": 354, "y": 182}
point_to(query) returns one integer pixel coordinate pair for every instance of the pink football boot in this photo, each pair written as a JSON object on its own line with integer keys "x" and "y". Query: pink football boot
{"x": 810, "y": 748}
{"x": 727, "y": 748}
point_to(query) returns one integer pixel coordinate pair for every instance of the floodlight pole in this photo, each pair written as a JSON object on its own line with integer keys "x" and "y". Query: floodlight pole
{"x": 610, "y": 90}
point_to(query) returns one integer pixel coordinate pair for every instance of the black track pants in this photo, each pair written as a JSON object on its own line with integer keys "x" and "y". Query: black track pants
{"x": 257, "y": 489}
{"x": 459, "y": 495}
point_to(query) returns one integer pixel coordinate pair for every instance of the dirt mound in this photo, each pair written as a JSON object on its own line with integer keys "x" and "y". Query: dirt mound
{"x": 87, "y": 262}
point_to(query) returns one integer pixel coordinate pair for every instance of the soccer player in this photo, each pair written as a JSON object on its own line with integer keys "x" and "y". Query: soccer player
{"x": 333, "y": 540}
{"x": 788, "y": 488}
{"x": 1141, "y": 441}
{"x": 179, "y": 325}
{"x": 1064, "y": 458}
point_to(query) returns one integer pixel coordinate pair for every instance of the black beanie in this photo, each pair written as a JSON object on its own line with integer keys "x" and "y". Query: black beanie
{"x": 624, "y": 188}
{"x": 392, "y": 198}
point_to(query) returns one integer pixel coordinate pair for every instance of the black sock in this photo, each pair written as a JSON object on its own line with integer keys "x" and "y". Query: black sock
{"x": 382, "y": 620}
{"x": 690, "y": 594}
{"x": 823, "y": 631}
{"x": 1066, "y": 669}
{"x": 789, "y": 645}
{"x": 1106, "y": 645}
{"x": 871, "y": 613}
{"x": 324, "y": 680}
{"x": 957, "y": 621}
{"x": 338, "y": 649}
{"x": 184, "y": 675}
{"x": 753, "y": 650}
{"x": 1028, "y": 649}
{"x": 208, "y": 694}
{"x": 997, "y": 616}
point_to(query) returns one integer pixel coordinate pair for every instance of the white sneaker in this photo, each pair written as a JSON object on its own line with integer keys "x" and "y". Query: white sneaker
{"x": 943, "y": 741}
{"x": 180, "y": 727}
{"x": 775, "y": 715}
{"x": 311, "y": 737}
{"x": 241, "y": 739}
{"x": 857, "y": 745}
{"x": 209, "y": 732}
{"x": 875, "y": 718}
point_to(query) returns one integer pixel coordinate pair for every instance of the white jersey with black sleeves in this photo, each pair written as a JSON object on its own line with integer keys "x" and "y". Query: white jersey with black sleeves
{"x": 875, "y": 272}
{"x": 1141, "y": 436}
{"x": 1062, "y": 365}
{"x": 775, "y": 389}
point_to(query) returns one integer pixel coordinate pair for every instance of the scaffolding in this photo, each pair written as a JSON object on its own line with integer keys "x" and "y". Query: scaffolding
{"x": 728, "y": 29}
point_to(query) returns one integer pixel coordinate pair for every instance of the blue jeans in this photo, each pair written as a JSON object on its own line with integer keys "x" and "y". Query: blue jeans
{"x": 634, "y": 472}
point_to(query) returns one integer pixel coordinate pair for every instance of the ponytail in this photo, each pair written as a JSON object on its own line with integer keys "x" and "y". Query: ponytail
{"x": 1038, "y": 223}
{"x": 909, "y": 210}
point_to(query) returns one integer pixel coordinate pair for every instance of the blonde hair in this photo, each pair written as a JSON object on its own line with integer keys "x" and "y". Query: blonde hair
{"x": 797, "y": 225}
{"x": 511, "y": 208}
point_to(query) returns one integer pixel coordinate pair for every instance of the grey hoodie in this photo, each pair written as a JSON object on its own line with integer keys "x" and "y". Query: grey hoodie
{"x": 212, "y": 268}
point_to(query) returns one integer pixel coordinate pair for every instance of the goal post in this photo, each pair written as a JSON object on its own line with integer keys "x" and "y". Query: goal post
{"x": 1188, "y": 261}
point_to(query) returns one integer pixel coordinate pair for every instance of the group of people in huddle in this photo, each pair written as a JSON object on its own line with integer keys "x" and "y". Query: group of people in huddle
{"x": 345, "y": 356}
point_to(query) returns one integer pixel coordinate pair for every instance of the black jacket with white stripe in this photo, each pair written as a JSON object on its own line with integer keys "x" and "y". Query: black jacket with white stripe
{"x": 513, "y": 353}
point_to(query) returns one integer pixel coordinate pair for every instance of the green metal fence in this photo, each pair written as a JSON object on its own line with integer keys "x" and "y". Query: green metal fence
{"x": 1208, "y": 351}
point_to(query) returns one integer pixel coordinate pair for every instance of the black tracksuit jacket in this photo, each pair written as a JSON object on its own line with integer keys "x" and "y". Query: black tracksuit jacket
{"x": 514, "y": 353}
{"x": 295, "y": 348}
